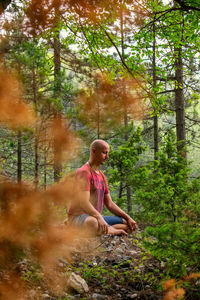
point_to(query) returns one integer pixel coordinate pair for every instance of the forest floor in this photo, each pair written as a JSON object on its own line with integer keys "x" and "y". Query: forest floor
{"x": 110, "y": 267}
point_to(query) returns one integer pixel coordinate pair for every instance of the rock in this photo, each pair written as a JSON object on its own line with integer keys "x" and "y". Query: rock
{"x": 70, "y": 297}
{"x": 77, "y": 283}
{"x": 77, "y": 297}
{"x": 119, "y": 250}
{"x": 117, "y": 287}
{"x": 147, "y": 287}
{"x": 124, "y": 257}
{"x": 109, "y": 249}
{"x": 113, "y": 243}
{"x": 45, "y": 296}
{"x": 133, "y": 296}
{"x": 121, "y": 240}
{"x": 32, "y": 294}
{"x": 162, "y": 264}
{"x": 133, "y": 252}
{"x": 138, "y": 270}
{"x": 64, "y": 261}
{"x": 61, "y": 265}
{"x": 110, "y": 261}
{"x": 197, "y": 282}
{"x": 96, "y": 296}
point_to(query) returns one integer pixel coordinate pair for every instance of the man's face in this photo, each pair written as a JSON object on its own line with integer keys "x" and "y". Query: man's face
{"x": 102, "y": 154}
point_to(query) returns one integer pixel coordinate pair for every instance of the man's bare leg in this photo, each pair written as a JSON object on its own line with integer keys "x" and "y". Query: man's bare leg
{"x": 114, "y": 231}
{"x": 92, "y": 228}
{"x": 123, "y": 226}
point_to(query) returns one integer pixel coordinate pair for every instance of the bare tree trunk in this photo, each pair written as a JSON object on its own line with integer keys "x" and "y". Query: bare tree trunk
{"x": 121, "y": 183}
{"x": 19, "y": 157}
{"x": 36, "y": 175}
{"x": 57, "y": 160}
{"x": 179, "y": 102}
{"x": 120, "y": 189}
{"x": 155, "y": 119}
{"x": 128, "y": 188}
{"x": 57, "y": 87}
{"x": 45, "y": 170}
{"x": 179, "y": 96}
{"x": 36, "y": 155}
{"x": 129, "y": 203}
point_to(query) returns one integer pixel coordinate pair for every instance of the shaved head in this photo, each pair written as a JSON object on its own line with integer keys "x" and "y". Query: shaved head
{"x": 98, "y": 144}
{"x": 99, "y": 153}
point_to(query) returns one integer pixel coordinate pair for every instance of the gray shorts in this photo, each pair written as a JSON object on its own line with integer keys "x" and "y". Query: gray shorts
{"x": 79, "y": 220}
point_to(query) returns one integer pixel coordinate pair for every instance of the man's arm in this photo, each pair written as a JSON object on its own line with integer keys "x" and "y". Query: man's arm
{"x": 116, "y": 210}
{"x": 85, "y": 204}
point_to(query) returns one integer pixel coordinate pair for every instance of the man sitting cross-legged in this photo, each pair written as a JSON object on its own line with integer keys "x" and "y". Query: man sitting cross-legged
{"x": 92, "y": 192}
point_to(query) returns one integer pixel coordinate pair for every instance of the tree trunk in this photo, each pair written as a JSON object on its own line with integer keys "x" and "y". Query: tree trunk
{"x": 36, "y": 156}
{"x": 128, "y": 188}
{"x": 36, "y": 175}
{"x": 179, "y": 95}
{"x": 57, "y": 160}
{"x": 120, "y": 189}
{"x": 129, "y": 203}
{"x": 57, "y": 88}
{"x": 19, "y": 157}
{"x": 45, "y": 170}
{"x": 155, "y": 119}
{"x": 179, "y": 102}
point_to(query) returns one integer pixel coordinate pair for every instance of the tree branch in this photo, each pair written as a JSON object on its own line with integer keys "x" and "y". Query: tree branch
{"x": 186, "y": 7}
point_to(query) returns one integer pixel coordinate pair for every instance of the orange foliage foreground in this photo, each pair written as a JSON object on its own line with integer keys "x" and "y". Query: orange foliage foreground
{"x": 43, "y": 14}
{"x": 173, "y": 289}
{"x": 63, "y": 140}
{"x": 111, "y": 101}
{"x": 29, "y": 225}
{"x": 13, "y": 111}
{"x": 12, "y": 288}
{"x": 28, "y": 218}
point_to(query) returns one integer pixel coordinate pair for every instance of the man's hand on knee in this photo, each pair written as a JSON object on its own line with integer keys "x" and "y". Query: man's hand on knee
{"x": 103, "y": 226}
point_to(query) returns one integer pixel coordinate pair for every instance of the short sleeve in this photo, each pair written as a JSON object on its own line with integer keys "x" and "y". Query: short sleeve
{"x": 83, "y": 180}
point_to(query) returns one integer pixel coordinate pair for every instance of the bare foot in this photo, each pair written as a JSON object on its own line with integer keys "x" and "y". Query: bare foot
{"x": 114, "y": 231}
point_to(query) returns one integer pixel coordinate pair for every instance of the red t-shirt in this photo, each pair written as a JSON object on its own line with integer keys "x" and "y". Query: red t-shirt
{"x": 94, "y": 182}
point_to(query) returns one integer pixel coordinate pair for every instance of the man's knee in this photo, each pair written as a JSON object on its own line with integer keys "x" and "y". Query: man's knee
{"x": 91, "y": 222}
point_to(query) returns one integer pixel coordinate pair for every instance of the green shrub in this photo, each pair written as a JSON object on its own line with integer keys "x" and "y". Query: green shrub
{"x": 169, "y": 202}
